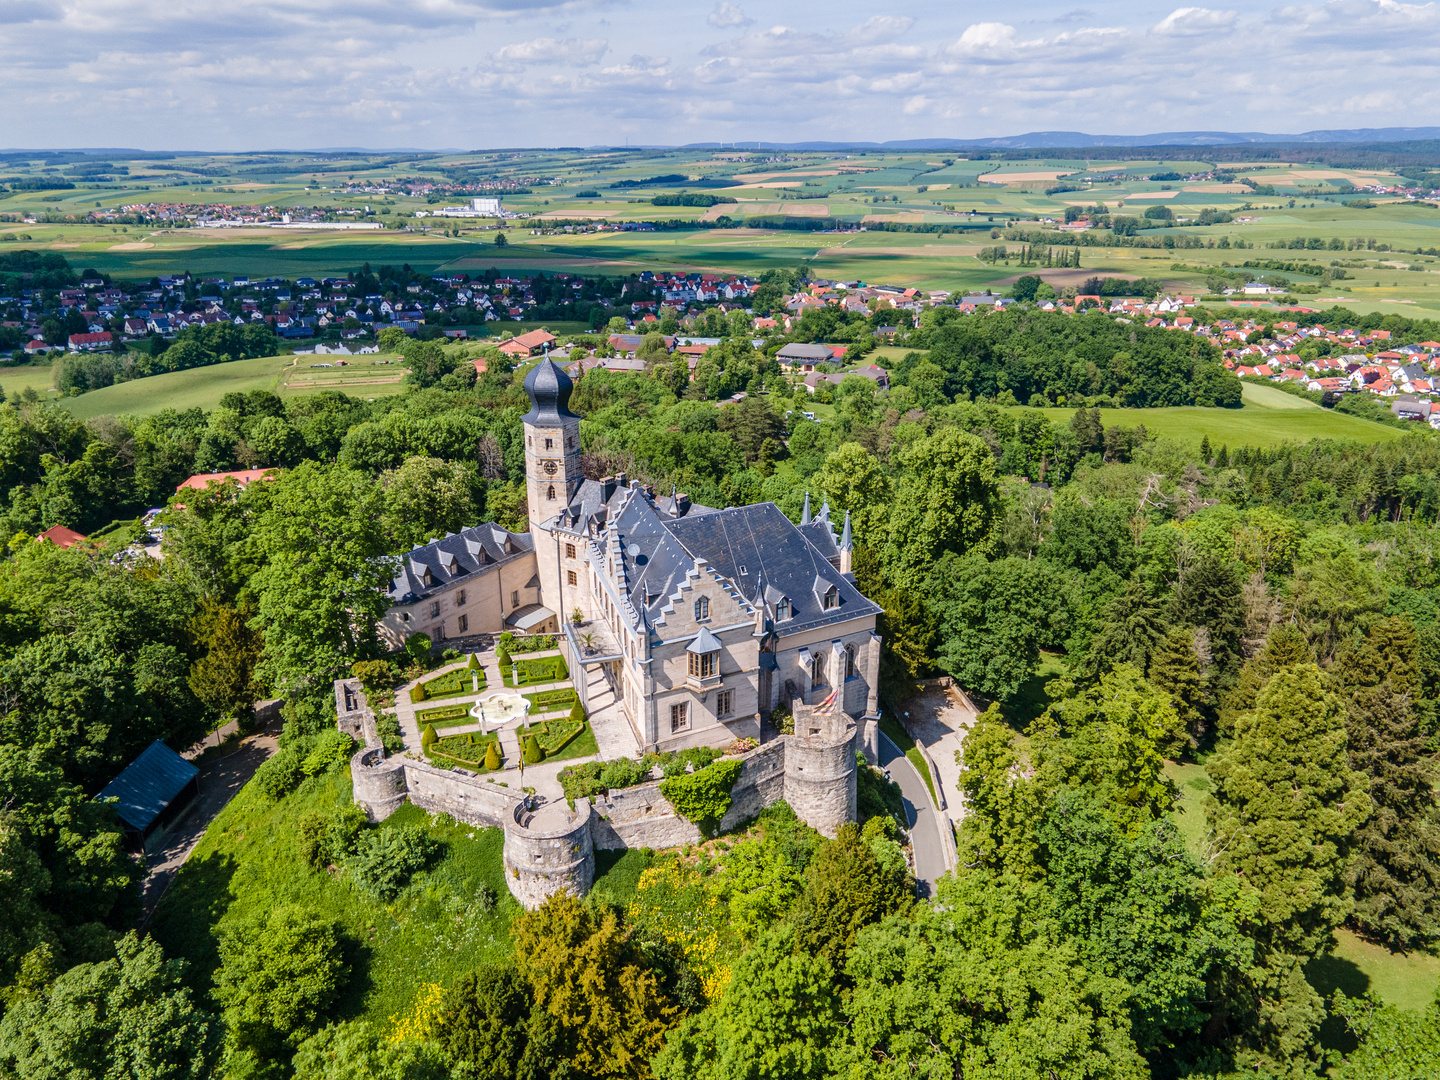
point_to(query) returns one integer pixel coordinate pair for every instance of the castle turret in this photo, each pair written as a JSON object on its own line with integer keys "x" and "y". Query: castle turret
{"x": 820, "y": 768}
{"x": 805, "y": 511}
{"x": 847, "y": 547}
{"x": 552, "y": 470}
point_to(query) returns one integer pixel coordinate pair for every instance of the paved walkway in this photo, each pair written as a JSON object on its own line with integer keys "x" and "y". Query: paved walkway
{"x": 219, "y": 780}
{"x": 937, "y": 719}
{"x": 920, "y": 813}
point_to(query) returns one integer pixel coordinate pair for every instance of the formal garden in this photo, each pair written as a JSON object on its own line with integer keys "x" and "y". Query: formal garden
{"x": 470, "y": 750}
{"x": 536, "y": 672}
{"x": 466, "y": 680}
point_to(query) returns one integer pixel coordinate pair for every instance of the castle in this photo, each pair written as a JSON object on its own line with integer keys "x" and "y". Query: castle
{"x": 687, "y": 624}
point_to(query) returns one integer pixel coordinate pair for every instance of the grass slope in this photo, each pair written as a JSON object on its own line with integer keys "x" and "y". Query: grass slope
{"x": 433, "y": 932}
{"x": 1260, "y": 422}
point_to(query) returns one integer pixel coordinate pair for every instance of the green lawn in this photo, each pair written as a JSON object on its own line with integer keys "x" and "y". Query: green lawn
{"x": 1192, "y": 785}
{"x": 14, "y": 380}
{"x": 1407, "y": 981}
{"x": 195, "y": 388}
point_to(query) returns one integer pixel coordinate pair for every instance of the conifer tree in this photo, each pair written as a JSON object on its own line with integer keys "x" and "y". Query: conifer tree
{"x": 1282, "y": 821}
{"x": 1175, "y": 669}
{"x": 1205, "y": 453}
{"x": 1284, "y": 647}
{"x": 1396, "y": 873}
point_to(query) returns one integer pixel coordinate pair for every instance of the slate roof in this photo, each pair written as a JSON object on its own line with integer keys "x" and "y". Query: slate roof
{"x": 758, "y": 547}
{"x": 799, "y": 351}
{"x": 149, "y": 784}
{"x": 454, "y": 557}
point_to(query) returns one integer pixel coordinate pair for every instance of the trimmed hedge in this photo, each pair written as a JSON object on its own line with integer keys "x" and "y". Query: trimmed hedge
{"x": 551, "y": 699}
{"x": 445, "y": 716}
{"x": 469, "y": 750}
{"x": 552, "y": 736}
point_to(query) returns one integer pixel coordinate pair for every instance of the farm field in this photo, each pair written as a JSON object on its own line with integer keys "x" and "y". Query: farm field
{"x": 1262, "y": 421}
{"x": 15, "y": 380}
{"x": 1268, "y": 202}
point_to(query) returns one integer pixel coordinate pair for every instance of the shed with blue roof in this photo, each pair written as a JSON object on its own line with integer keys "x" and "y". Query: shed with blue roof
{"x": 152, "y": 792}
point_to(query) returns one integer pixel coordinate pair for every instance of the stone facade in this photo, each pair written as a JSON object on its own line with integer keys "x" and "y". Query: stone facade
{"x": 549, "y": 849}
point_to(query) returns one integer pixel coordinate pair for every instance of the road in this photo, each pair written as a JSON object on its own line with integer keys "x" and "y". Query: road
{"x": 220, "y": 779}
{"x": 920, "y": 812}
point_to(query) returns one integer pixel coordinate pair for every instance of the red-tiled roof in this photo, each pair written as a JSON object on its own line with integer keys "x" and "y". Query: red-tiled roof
{"x": 201, "y": 481}
{"x": 60, "y": 536}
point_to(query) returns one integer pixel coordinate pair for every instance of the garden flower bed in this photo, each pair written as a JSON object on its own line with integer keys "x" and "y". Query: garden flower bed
{"x": 554, "y": 735}
{"x": 547, "y": 700}
{"x": 533, "y": 672}
{"x": 467, "y": 751}
{"x": 452, "y": 684}
{"x": 445, "y": 716}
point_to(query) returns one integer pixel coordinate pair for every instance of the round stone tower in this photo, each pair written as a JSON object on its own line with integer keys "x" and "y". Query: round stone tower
{"x": 820, "y": 767}
{"x": 549, "y": 850}
{"x": 377, "y": 782}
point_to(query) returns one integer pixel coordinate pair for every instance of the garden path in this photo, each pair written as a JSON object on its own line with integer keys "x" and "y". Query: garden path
{"x": 937, "y": 718}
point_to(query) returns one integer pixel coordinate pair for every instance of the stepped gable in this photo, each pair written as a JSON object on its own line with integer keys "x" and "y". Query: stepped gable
{"x": 758, "y": 544}
{"x": 454, "y": 556}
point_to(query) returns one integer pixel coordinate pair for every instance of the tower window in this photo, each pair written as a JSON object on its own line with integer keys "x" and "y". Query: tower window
{"x": 570, "y": 578}
{"x": 549, "y": 444}
{"x": 702, "y": 608}
{"x": 550, "y": 493}
{"x": 702, "y": 665}
{"x": 569, "y": 551}
{"x": 817, "y": 669}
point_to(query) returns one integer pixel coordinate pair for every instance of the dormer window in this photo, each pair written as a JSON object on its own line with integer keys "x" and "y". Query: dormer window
{"x": 426, "y": 579}
{"x": 782, "y": 609}
{"x": 702, "y": 608}
{"x": 832, "y": 598}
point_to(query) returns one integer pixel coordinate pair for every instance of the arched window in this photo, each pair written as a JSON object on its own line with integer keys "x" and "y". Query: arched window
{"x": 850, "y": 662}
{"x": 702, "y": 608}
{"x": 551, "y": 493}
{"x": 832, "y": 598}
{"x": 817, "y": 669}
{"x": 782, "y": 609}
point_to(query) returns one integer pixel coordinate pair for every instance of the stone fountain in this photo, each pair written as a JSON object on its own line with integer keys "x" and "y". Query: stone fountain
{"x": 498, "y": 710}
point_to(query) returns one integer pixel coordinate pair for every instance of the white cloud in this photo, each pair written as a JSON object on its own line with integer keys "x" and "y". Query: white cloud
{"x": 984, "y": 39}
{"x": 549, "y": 51}
{"x": 726, "y": 15}
{"x": 1195, "y": 21}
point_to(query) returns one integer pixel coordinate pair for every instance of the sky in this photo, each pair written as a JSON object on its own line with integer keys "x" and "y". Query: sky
{"x": 236, "y": 75}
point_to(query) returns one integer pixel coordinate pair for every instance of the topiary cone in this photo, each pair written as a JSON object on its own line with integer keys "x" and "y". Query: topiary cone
{"x": 474, "y": 664}
{"x": 492, "y": 757}
{"x": 417, "y": 692}
{"x": 577, "y": 713}
{"x": 428, "y": 738}
{"x": 533, "y": 754}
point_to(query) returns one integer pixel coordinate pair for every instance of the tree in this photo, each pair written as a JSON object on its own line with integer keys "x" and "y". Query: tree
{"x": 1285, "y": 646}
{"x": 224, "y": 678}
{"x": 993, "y": 616}
{"x": 852, "y": 480}
{"x": 391, "y": 339}
{"x": 1282, "y": 820}
{"x": 426, "y": 498}
{"x": 846, "y": 889}
{"x": 280, "y": 972}
{"x": 1394, "y": 1043}
{"x": 949, "y": 500}
{"x": 324, "y": 586}
{"x": 778, "y": 1019}
{"x": 1134, "y": 622}
{"x": 588, "y": 975}
{"x": 1209, "y": 595}
{"x": 968, "y": 987}
{"x": 488, "y": 1028}
{"x": 1175, "y": 669}
{"x": 127, "y": 1017}
{"x": 1396, "y": 872}
{"x": 501, "y": 240}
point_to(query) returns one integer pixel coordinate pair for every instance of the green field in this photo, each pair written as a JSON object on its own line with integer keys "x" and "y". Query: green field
{"x": 1269, "y": 417}
{"x": 14, "y": 380}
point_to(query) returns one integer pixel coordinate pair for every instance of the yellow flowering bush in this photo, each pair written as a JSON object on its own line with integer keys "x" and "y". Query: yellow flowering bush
{"x": 419, "y": 1022}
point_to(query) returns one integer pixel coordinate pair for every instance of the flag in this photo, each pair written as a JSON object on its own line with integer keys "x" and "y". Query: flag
{"x": 826, "y": 707}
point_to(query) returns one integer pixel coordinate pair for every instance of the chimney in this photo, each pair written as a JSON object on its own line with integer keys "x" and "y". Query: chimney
{"x": 682, "y": 504}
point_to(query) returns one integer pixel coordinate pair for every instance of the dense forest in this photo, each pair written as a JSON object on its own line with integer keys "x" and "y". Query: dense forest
{"x": 1268, "y": 613}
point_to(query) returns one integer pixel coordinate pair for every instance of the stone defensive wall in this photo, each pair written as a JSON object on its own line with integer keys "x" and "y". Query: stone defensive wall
{"x": 550, "y": 848}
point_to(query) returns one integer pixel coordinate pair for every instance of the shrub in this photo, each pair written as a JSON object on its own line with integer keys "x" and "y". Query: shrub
{"x": 417, "y": 645}
{"x": 492, "y": 756}
{"x": 310, "y": 839}
{"x": 387, "y": 726}
{"x": 474, "y": 662}
{"x": 279, "y": 974}
{"x": 385, "y": 859}
{"x": 427, "y": 738}
{"x": 417, "y": 693}
{"x": 622, "y": 773}
{"x": 697, "y": 757}
{"x": 554, "y": 697}
{"x": 782, "y": 719}
{"x": 577, "y": 712}
{"x": 581, "y": 781}
{"x": 373, "y": 674}
{"x": 533, "y": 754}
{"x": 703, "y": 796}
{"x": 279, "y": 776}
{"x": 342, "y": 835}
{"x": 331, "y": 749}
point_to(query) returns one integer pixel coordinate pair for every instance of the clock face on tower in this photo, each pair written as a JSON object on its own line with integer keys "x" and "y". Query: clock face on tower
{"x": 550, "y": 468}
